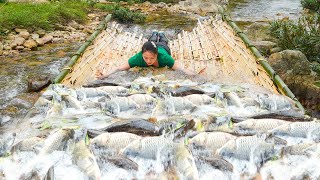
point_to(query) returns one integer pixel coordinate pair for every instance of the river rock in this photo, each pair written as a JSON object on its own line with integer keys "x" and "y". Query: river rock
{"x": 294, "y": 68}
{"x": 41, "y": 32}
{"x": 19, "y": 48}
{"x": 30, "y": 44}
{"x": 264, "y": 46}
{"x": 18, "y": 30}
{"x": 1, "y": 48}
{"x": 35, "y": 36}
{"x": 17, "y": 42}
{"x": 290, "y": 61}
{"x": 45, "y": 39}
{"x": 258, "y": 31}
{"x": 24, "y": 34}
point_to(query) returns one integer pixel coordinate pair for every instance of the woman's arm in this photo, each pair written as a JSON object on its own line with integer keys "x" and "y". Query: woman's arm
{"x": 104, "y": 73}
{"x": 178, "y": 67}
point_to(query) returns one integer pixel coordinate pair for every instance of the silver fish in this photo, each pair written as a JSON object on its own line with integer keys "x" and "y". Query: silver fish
{"x": 248, "y": 148}
{"x": 216, "y": 162}
{"x": 149, "y": 147}
{"x": 233, "y": 99}
{"x": 6, "y": 143}
{"x": 56, "y": 141}
{"x": 122, "y": 162}
{"x": 114, "y": 90}
{"x": 114, "y": 141}
{"x": 275, "y": 102}
{"x": 143, "y": 100}
{"x": 86, "y": 160}
{"x": 83, "y": 93}
{"x": 210, "y": 141}
{"x": 185, "y": 163}
{"x": 255, "y": 126}
{"x": 177, "y": 104}
{"x": 27, "y": 144}
{"x": 119, "y": 104}
{"x": 296, "y": 129}
{"x": 72, "y": 101}
{"x": 200, "y": 99}
{"x": 297, "y": 149}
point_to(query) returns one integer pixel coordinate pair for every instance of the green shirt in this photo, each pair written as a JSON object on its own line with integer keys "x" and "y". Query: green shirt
{"x": 164, "y": 59}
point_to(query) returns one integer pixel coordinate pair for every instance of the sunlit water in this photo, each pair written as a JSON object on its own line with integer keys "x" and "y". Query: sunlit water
{"x": 264, "y": 10}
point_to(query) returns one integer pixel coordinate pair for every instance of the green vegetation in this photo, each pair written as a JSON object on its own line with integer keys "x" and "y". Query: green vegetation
{"x": 313, "y": 5}
{"x": 152, "y": 1}
{"x": 122, "y": 14}
{"x": 42, "y": 15}
{"x": 303, "y": 35}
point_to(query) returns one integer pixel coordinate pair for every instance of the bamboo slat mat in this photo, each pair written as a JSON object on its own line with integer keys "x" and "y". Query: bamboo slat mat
{"x": 212, "y": 48}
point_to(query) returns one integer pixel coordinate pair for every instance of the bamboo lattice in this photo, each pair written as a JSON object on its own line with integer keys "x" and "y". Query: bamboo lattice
{"x": 212, "y": 48}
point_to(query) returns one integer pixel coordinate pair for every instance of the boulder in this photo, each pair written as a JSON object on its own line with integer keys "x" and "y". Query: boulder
{"x": 24, "y": 34}
{"x": 295, "y": 70}
{"x": 35, "y": 36}
{"x": 17, "y": 42}
{"x": 264, "y": 46}
{"x": 30, "y": 44}
{"x": 18, "y": 30}
{"x": 258, "y": 31}
{"x": 291, "y": 62}
{"x": 1, "y": 48}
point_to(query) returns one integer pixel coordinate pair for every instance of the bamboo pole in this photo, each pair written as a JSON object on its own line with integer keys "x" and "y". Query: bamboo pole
{"x": 80, "y": 51}
{"x": 282, "y": 87}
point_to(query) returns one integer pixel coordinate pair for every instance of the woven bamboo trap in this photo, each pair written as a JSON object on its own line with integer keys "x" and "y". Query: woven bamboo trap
{"x": 212, "y": 49}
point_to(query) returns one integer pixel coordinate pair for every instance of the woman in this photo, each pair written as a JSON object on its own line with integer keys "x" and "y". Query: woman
{"x": 155, "y": 52}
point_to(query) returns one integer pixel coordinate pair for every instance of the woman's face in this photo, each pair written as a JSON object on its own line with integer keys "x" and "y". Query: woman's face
{"x": 149, "y": 57}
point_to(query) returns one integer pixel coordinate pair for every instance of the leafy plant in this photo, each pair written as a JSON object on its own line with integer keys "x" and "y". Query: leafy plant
{"x": 127, "y": 16}
{"x": 313, "y": 5}
{"x": 303, "y": 35}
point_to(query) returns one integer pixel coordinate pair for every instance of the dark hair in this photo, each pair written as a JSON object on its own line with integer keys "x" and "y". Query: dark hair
{"x": 150, "y": 46}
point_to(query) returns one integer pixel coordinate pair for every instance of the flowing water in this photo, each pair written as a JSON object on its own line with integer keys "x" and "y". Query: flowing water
{"x": 161, "y": 118}
{"x": 16, "y": 71}
{"x": 264, "y": 10}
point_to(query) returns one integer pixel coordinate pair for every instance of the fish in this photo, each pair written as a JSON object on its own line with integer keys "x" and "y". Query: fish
{"x": 255, "y": 126}
{"x": 216, "y": 162}
{"x": 249, "y": 148}
{"x": 275, "y": 102}
{"x": 27, "y": 144}
{"x": 143, "y": 100}
{"x": 120, "y": 104}
{"x": 84, "y": 158}
{"x": 135, "y": 126}
{"x": 42, "y": 102}
{"x": 113, "y": 142}
{"x": 178, "y": 104}
{"x": 200, "y": 99}
{"x": 72, "y": 101}
{"x": 84, "y": 93}
{"x": 6, "y": 142}
{"x": 56, "y": 141}
{"x": 233, "y": 99}
{"x": 184, "y": 161}
{"x": 210, "y": 141}
{"x": 114, "y": 90}
{"x": 297, "y": 149}
{"x": 122, "y": 162}
{"x": 296, "y": 129}
{"x": 287, "y": 115}
{"x": 149, "y": 147}
{"x": 185, "y": 90}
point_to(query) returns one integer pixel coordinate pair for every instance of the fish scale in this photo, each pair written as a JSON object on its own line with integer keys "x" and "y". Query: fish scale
{"x": 211, "y": 141}
{"x": 296, "y": 129}
{"x": 148, "y": 147}
{"x": 254, "y": 126}
{"x": 114, "y": 141}
{"x": 57, "y": 140}
{"x": 200, "y": 99}
{"x": 244, "y": 147}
